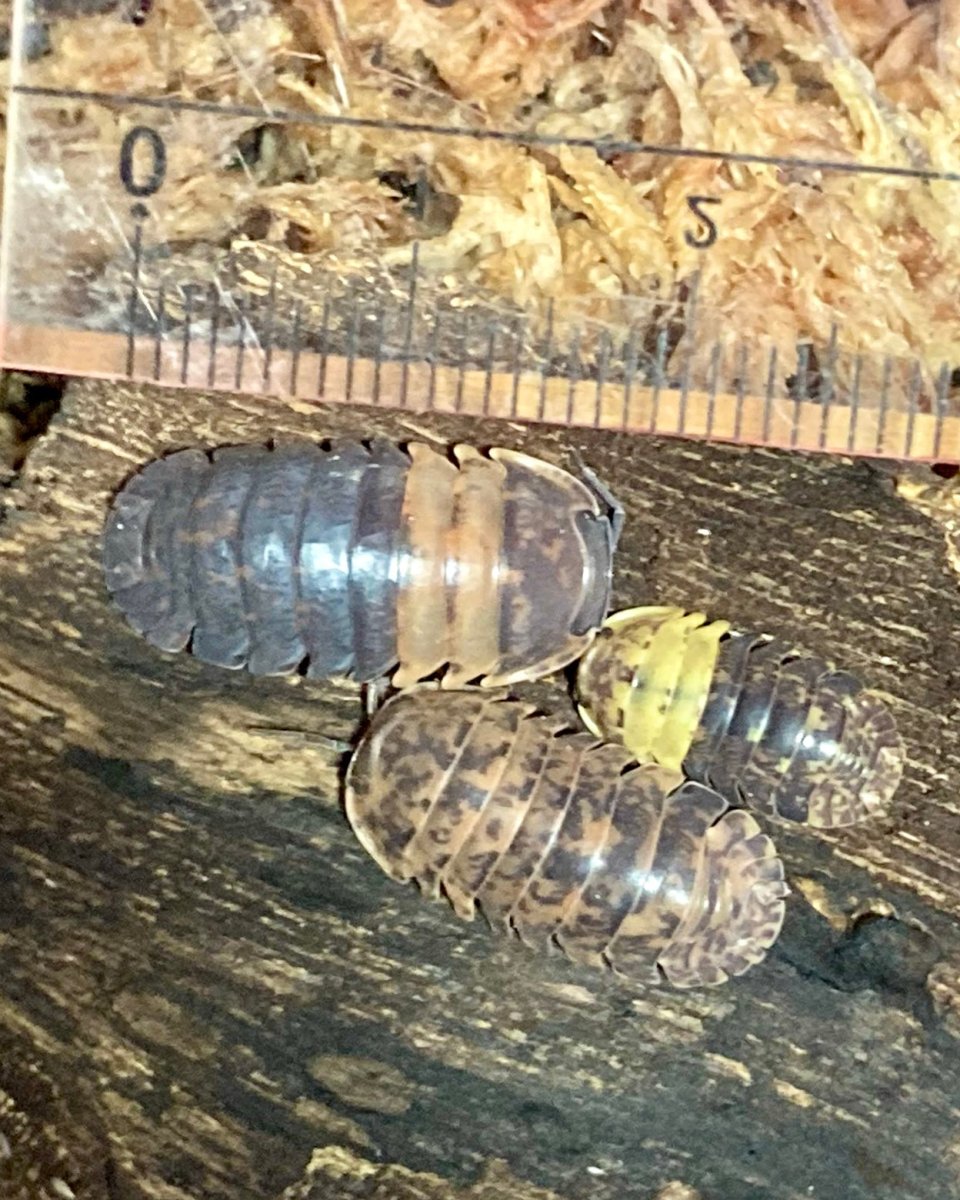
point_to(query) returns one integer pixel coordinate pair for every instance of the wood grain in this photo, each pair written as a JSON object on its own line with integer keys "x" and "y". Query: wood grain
{"x": 208, "y": 991}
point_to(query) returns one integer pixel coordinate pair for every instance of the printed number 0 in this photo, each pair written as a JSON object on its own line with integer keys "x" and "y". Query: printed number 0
{"x": 702, "y": 241}
{"x": 157, "y": 160}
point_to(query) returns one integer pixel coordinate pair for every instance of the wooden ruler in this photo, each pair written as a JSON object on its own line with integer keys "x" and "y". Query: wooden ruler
{"x": 394, "y": 337}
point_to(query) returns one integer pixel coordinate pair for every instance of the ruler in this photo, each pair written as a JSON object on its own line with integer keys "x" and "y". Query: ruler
{"x": 89, "y": 287}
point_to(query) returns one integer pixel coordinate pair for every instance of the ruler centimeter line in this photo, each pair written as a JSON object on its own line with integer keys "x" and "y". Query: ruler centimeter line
{"x": 474, "y": 359}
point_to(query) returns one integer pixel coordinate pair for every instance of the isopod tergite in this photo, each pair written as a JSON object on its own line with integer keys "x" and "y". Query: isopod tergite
{"x": 355, "y": 559}
{"x": 564, "y": 840}
{"x": 749, "y": 715}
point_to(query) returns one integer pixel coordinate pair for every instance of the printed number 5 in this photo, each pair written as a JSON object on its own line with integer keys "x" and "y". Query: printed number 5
{"x": 707, "y": 233}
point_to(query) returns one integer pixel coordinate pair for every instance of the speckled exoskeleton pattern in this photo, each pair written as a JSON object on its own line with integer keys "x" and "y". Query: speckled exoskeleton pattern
{"x": 761, "y": 722}
{"x": 564, "y": 840}
{"x": 355, "y": 559}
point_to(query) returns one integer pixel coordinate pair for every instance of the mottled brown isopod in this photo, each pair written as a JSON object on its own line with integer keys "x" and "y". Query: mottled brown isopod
{"x": 356, "y": 559}
{"x": 751, "y": 716}
{"x": 564, "y": 839}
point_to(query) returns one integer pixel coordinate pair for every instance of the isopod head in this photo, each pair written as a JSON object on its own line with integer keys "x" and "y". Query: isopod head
{"x": 764, "y": 724}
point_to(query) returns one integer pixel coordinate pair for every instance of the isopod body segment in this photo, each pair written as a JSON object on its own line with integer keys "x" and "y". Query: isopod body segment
{"x": 355, "y": 559}
{"x": 562, "y": 839}
{"x": 749, "y": 715}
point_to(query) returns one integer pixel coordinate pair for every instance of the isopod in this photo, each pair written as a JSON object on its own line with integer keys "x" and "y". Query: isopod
{"x": 563, "y": 839}
{"x": 746, "y": 714}
{"x": 354, "y": 559}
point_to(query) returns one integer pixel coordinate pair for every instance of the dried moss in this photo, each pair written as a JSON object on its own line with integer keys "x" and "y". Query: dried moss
{"x": 800, "y": 247}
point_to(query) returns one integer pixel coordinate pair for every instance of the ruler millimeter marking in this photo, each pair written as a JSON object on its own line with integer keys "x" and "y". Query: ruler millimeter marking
{"x": 408, "y": 346}
{"x": 624, "y": 390}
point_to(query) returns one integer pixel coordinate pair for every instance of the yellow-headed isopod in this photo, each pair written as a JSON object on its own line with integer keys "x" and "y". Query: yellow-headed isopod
{"x": 749, "y": 715}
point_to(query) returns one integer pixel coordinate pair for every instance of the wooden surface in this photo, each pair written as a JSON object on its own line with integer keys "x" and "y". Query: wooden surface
{"x": 207, "y": 990}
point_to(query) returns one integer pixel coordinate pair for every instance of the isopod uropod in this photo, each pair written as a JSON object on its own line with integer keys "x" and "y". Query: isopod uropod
{"x": 355, "y": 558}
{"x": 746, "y": 714}
{"x": 563, "y": 839}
